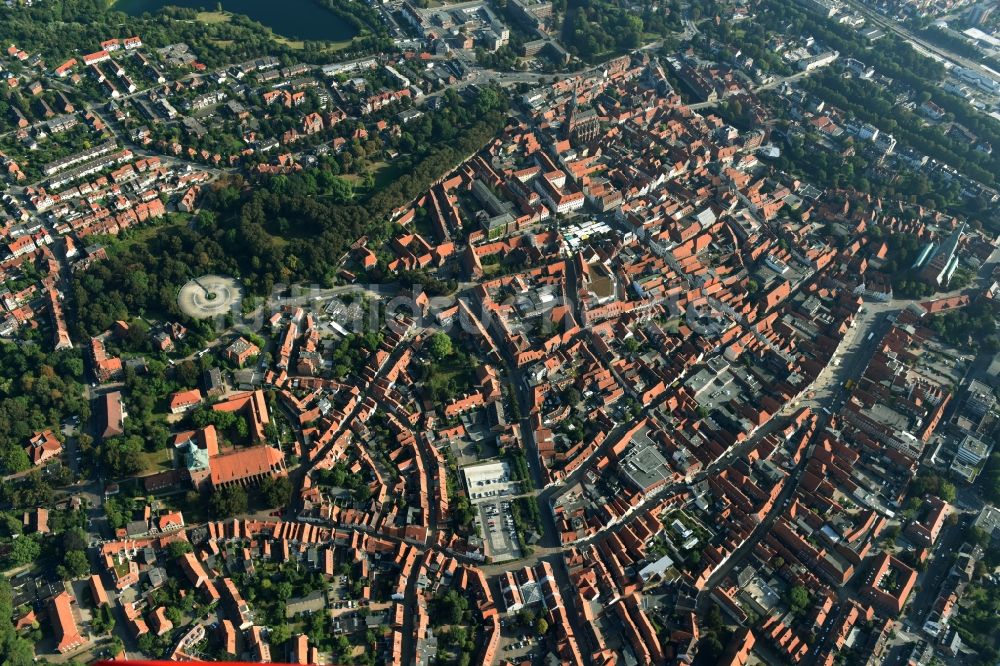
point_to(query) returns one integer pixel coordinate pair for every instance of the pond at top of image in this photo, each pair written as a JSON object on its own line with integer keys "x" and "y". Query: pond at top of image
{"x": 295, "y": 19}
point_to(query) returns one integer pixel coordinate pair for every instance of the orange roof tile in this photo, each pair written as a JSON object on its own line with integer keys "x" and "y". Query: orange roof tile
{"x": 65, "y": 623}
{"x": 245, "y": 463}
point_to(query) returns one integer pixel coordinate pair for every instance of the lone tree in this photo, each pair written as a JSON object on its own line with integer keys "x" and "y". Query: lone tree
{"x": 440, "y": 345}
{"x": 798, "y": 598}
{"x": 177, "y": 549}
{"x": 573, "y": 396}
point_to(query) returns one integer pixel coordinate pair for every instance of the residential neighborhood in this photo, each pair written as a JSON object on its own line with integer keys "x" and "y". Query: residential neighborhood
{"x": 498, "y": 340}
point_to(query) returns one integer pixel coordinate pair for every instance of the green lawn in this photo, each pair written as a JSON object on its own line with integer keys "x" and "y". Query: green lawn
{"x": 158, "y": 461}
{"x": 384, "y": 173}
{"x": 213, "y": 17}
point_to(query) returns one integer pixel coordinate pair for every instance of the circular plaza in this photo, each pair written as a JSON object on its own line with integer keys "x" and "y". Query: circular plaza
{"x": 210, "y": 296}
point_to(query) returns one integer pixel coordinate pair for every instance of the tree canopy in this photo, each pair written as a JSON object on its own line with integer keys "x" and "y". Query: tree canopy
{"x": 228, "y": 501}
{"x": 37, "y": 391}
{"x": 276, "y": 491}
{"x": 798, "y": 598}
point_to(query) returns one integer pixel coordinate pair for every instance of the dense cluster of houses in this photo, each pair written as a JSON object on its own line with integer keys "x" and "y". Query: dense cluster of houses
{"x": 650, "y": 308}
{"x": 720, "y": 305}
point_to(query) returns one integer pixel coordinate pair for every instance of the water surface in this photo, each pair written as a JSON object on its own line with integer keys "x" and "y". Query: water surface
{"x": 295, "y": 19}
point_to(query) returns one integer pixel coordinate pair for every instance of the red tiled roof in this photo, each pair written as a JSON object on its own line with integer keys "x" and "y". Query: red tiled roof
{"x": 113, "y": 414}
{"x": 65, "y": 624}
{"x": 206, "y": 438}
{"x": 183, "y": 398}
{"x": 42, "y": 446}
{"x": 245, "y": 463}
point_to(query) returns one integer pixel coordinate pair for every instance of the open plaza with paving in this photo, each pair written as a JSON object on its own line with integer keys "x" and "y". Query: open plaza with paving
{"x": 210, "y": 296}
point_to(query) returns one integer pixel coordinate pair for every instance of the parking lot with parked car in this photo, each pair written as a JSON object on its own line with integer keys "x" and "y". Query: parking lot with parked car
{"x": 497, "y": 524}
